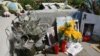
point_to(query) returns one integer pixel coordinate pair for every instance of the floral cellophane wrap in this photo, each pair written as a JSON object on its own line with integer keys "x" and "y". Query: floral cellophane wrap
{"x": 69, "y": 32}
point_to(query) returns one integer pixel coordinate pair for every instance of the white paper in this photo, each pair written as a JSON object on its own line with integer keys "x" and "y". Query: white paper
{"x": 75, "y": 48}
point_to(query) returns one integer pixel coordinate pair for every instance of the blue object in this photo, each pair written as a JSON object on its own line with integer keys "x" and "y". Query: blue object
{"x": 78, "y": 15}
{"x": 12, "y": 6}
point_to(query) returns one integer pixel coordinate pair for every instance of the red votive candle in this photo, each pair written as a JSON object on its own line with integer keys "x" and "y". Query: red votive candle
{"x": 63, "y": 46}
{"x": 56, "y": 48}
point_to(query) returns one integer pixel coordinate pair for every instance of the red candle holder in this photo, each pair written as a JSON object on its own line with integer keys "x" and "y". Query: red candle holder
{"x": 56, "y": 48}
{"x": 63, "y": 45}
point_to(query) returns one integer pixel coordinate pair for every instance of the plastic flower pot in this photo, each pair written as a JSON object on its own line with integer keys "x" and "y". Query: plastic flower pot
{"x": 86, "y": 38}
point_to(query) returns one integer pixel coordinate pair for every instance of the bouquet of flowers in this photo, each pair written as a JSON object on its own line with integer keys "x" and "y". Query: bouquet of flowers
{"x": 69, "y": 32}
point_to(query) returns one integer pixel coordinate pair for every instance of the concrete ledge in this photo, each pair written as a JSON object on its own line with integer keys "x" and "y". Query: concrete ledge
{"x": 95, "y": 47}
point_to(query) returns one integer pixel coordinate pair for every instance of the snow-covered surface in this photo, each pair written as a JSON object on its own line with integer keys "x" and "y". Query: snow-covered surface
{"x": 53, "y": 7}
{"x": 4, "y": 44}
{"x": 6, "y": 21}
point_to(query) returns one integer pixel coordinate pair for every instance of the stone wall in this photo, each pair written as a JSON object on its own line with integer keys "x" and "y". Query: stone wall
{"x": 91, "y": 19}
{"x": 50, "y": 15}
